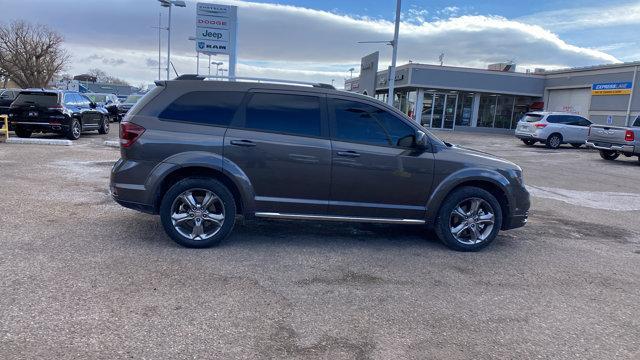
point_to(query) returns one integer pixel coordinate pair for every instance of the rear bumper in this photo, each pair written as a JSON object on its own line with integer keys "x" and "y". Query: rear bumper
{"x": 40, "y": 126}
{"x": 527, "y": 136}
{"x": 623, "y": 148}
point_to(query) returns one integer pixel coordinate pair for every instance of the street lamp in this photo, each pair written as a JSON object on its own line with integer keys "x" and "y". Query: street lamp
{"x": 217, "y": 64}
{"x": 351, "y": 71}
{"x": 169, "y": 4}
{"x": 222, "y": 71}
{"x": 193, "y": 38}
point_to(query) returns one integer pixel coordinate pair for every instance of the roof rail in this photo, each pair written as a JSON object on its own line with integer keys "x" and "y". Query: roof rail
{"x": 255, "y": 79}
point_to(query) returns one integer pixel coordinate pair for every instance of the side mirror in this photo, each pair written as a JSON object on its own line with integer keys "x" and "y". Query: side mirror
{"x": 422, "y": 141}
{"x": 93, "y": 105}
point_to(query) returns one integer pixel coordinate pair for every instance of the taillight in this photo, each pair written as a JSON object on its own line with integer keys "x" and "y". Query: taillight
{"x": 539, "y": 125}
{"x": 129, "y": 133}
{"x": 629, "y": 135}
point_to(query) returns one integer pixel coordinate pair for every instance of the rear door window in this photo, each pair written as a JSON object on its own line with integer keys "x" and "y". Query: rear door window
{"x": 558, "y": 119}
{"x": 216, "y": 108}
{"x": 284, "y": 113}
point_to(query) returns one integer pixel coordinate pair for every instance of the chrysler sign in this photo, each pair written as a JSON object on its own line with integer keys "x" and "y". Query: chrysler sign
{"x": 216, "y": 29}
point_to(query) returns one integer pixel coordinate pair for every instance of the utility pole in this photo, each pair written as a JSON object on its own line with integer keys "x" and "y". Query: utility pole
{"x": 394, "y": 43}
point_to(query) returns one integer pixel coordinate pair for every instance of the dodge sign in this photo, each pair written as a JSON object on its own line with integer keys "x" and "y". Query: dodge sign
{"x": 216, "y": 29}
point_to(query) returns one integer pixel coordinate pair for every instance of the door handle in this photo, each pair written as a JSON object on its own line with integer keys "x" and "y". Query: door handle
{"x": 246, "y": 143}
{"x": 349, "y": 153}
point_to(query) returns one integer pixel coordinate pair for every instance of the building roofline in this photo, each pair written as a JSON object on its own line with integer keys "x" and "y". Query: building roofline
{"x": 594, "y": 67}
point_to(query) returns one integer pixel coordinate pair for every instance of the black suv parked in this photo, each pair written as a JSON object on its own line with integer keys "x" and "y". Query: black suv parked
{"x": 201, "y": 152}
{"x": 108, "y": 101}
{"x": 56, "y": 111}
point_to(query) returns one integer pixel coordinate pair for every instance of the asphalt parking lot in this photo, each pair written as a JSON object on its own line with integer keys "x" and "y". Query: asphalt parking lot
{"x": 82, "y": 277}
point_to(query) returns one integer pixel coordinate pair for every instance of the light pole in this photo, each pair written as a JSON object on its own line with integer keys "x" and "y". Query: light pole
{"x": 394, "y": 43}
{"x": 222, "y": 71}
{"x": 193, "y": 38}
{"x": 160, "y": 28}
{"x": 351, "y": 71}
{"x": 217, "y": 64}
{"x": 169, "y": 4}
{"x": 394, "y": 55}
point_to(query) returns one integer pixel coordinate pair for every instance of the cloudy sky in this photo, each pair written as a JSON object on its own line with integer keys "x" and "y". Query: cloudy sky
{"x": 318, "y": 40}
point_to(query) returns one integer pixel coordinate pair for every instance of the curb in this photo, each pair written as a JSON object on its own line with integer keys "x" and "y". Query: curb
{"x": 58, "y": 142}
{"x": 111, "y": 143}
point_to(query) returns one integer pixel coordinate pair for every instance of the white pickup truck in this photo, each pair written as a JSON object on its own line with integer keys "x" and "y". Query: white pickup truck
{"x": 615, "y": 140}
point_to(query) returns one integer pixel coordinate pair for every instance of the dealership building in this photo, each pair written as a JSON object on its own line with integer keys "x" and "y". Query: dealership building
{"x": 494, "y": 99}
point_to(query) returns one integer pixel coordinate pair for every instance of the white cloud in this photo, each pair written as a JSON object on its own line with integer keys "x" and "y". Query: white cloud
{"x": 310, "y": 44}
{"x": 587, "y": 17}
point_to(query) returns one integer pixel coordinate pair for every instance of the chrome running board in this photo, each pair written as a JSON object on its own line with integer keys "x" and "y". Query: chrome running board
{"x": 273, "y": 215}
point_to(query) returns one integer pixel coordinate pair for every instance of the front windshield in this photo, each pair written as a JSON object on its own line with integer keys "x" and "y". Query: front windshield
{"x": 132, "y": 99}
{"x": 97, "y": 98}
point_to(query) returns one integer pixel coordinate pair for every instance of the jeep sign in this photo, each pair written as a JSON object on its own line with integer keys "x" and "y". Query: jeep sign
{"x": 216, "y": 29}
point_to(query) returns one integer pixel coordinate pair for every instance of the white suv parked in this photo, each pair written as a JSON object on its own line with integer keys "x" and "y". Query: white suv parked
{"x": 553, "y": 129}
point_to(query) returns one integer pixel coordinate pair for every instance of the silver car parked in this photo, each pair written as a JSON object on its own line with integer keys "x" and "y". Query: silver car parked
{"x": 553, "y": 129}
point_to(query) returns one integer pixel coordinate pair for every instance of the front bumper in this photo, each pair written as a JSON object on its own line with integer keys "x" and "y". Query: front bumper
{"x": 623, "y": 148}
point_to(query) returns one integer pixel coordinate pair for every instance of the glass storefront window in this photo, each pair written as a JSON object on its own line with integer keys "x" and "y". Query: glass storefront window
{"x": 465, "y": 109}
{"x": 504, "y": 112}
{"x": 487, "y": 110}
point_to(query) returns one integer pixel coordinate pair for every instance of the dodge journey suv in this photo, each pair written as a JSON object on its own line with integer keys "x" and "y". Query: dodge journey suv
{"x": 199, "y": 153}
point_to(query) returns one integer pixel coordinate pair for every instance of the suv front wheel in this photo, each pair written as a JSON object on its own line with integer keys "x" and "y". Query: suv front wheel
{"x": 469, "y": 219}
{"x": 75, "y": 130}
{"x": 198, "y": 212}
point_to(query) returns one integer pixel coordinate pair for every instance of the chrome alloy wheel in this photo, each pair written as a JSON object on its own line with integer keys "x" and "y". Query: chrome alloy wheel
{"x": 471, "y": 221}
{"x": 197, "y": 214}
{"x": 554, "y": 141}
{"x": 106, "y": 122}
{"x": 75, "y": 129}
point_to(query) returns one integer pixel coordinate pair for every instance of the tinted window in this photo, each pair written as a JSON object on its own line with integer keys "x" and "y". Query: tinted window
{"x": 559, "y": 119}
{"x": 7, "y": 95}
{"x": 637, "y": 122}
{"x": 83, "y": 100}
{"x": 399, "y": 132}
{"x": 357, "y": 122}
{"x": 43, "y": 99}
{"x": 204, "y": 107}
{"x": 284, "y": 113}
{"x": 531, "y": 118}
{"x": 69, "y": 99}
{"x": 580, "y": 121}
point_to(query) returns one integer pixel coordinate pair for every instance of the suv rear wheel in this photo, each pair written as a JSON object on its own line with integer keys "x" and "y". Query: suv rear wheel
{"x": 469, "y": 219}
{"x": 554, "y": 141}
{"x": 22, "y": 133}
{"x": 198, "y": 212}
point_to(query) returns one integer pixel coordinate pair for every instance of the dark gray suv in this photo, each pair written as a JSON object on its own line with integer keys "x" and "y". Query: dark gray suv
{"x": 201, "y": 152}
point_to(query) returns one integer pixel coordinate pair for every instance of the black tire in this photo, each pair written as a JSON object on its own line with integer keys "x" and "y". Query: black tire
{"x": 554, "y": 141}
{"x": 75, "y": 130}
{"x": 446, "y": 215}
{"x": 609, "y": 154}
{"x": 528, "y": 142}
{"x": 22, "y": 133}
{"x": 576, "y": 146}
{"x": 226, "y": 205}
{"x": 104, "y": 126}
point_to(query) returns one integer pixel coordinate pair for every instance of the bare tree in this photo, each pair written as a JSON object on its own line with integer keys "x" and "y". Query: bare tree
{"x": 103, "y": 77}
{"x": 31, "y": 55}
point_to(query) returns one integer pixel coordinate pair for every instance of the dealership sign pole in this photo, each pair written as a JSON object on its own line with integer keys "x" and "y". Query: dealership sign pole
{"x": 216, "y": 32}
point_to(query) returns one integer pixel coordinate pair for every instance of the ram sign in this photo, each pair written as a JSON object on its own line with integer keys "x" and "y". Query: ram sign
{"x": 216, "y": 29}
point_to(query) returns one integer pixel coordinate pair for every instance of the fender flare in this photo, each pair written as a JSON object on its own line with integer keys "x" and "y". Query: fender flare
{"x": 468, "y": 175}
{"x": 202, "y": 159}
